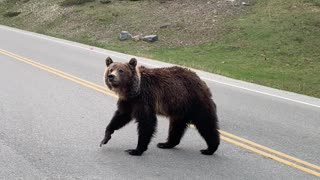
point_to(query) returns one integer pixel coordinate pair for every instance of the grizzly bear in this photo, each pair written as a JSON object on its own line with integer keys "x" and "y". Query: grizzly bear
{"x": 174, "y": 92}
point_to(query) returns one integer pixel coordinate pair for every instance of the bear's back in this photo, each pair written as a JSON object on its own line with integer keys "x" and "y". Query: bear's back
{"x": 173, "y": 89}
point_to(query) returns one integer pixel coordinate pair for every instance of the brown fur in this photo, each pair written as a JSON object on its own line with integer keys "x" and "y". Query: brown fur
{"x": 174, "y": 92}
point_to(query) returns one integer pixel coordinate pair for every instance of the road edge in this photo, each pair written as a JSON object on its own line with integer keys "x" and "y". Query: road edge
{"x": 206, "y": 76}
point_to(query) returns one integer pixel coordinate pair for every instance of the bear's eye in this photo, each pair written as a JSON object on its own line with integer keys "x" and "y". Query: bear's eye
{"x": 120, "y": 71}
{"x": 110, "y": 70}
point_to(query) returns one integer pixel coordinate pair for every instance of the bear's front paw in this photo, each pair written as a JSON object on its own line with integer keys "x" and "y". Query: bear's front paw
{"x": 106, "y": 138}
{"x": 134, "y": 152}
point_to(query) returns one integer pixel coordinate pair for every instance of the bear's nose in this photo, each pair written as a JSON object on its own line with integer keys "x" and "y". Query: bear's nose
{"x": 111, "y": 77}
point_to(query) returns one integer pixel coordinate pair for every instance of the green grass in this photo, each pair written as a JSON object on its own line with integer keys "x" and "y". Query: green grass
{"x": 276, "y": 43}
{"x": 315, "y": 2}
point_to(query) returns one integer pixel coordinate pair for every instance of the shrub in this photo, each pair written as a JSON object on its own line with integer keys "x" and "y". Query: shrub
{"x": 11, "y": 14}
{"x": 74, "y": 2}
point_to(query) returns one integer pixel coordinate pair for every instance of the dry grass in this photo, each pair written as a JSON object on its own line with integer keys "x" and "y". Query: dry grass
{"x": 178, "y": 23}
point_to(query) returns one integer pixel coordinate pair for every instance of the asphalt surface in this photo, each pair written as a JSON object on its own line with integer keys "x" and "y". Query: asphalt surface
{"x": 51, "y": 127}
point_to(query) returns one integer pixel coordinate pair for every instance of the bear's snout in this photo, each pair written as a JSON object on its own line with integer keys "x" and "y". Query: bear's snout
{"x": 111, "y": 78}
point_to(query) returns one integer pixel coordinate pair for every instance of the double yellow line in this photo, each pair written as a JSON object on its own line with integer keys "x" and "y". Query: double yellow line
{"x": 228, "y": 137}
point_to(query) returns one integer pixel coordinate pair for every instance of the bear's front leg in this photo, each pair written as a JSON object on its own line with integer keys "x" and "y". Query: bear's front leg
{"x": 106, "y": 138}
{"x": 146, "y": 127}
{"x": 119, "y": 119}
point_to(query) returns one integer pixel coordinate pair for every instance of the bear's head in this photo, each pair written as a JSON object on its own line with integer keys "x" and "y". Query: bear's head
{"x": 122, "y": 78}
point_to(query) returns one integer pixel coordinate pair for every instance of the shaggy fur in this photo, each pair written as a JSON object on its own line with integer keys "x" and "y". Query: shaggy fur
{"x": 174, "y": 92}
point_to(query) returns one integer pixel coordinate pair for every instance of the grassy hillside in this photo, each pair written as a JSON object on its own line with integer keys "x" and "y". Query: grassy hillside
{"x": 271, "y": 42}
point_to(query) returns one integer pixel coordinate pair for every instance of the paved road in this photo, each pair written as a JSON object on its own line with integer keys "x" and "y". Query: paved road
{"x": 50, "y": 127}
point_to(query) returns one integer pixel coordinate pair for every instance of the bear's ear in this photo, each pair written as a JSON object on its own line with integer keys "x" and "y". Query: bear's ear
{"x": 108, "y": 61}
{"x": 133, "y": 62}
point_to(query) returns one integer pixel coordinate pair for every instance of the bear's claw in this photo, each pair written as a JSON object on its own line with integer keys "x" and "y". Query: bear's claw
{"x": 105, "y": 140}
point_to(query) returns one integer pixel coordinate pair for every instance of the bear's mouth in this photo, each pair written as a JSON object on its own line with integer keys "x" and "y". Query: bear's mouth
{"x": 114, "y": 84}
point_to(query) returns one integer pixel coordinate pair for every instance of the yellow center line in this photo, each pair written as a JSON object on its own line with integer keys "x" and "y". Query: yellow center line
{"x": 270, "y": 150}
{"x": 60, "y": 73}
{"x": 283, "y": 161}
{"x": 244, "y": 143}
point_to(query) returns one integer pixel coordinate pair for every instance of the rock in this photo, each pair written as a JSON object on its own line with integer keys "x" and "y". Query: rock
{"x": 125, "y": 35}
{"x": 150, "y": 38}
{"x": 245, "y": 3}
{"x": 137, "y": 38}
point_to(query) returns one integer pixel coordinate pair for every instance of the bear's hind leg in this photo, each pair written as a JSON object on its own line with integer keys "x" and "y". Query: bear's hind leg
{"x": 207, "y": 127}
{"x": 176, "y": 131}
